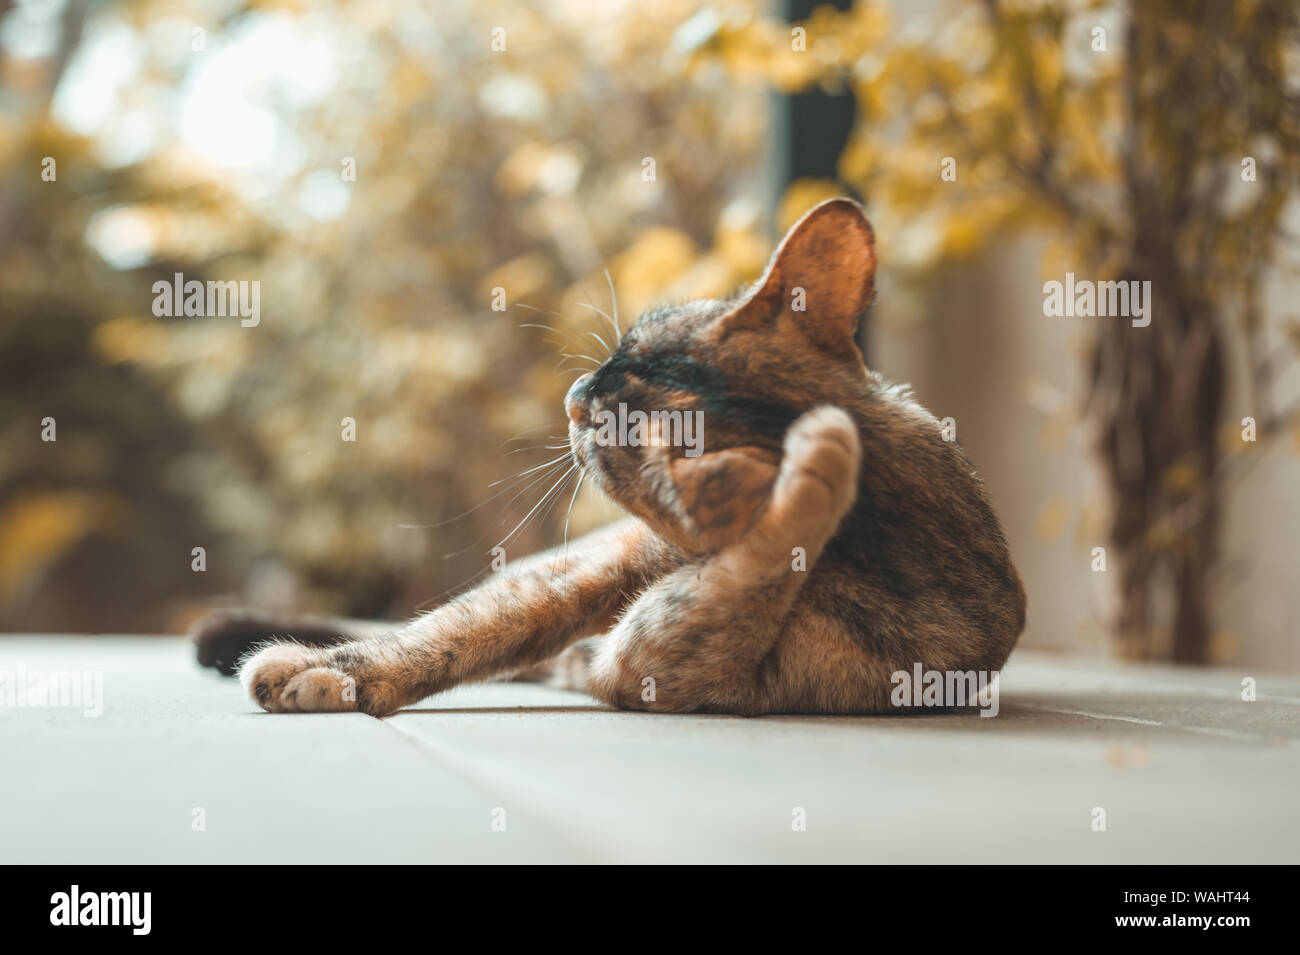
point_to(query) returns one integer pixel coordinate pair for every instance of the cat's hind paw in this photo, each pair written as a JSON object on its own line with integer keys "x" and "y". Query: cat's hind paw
{"x": 819, "y": 473}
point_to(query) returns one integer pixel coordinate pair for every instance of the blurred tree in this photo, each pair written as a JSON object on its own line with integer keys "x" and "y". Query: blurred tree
{"x": 390, "y": 175}
{"x": 84, "y": 525}
{"x": 383, "y": 171}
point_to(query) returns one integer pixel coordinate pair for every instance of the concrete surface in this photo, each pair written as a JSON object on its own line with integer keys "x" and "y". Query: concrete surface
{"x": 1184, "y": 769}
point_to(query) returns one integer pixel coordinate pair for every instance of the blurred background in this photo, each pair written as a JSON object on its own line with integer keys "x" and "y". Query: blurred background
{"x": 413, "y": 184}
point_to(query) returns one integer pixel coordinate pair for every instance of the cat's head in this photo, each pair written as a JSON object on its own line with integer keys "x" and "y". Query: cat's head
{"x": 682, "y": 425}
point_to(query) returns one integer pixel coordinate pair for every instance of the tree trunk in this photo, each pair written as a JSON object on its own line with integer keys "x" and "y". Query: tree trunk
{"x": 1156, "y": 399}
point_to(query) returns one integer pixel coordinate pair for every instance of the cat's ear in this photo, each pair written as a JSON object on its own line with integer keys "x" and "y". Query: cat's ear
{"x": 822, "y": 276}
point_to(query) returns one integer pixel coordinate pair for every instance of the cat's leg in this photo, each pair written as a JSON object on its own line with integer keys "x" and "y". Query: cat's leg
{"x": 709, "y": 636}
{"x": 566, "y": 671}
{"x": 222, "y": 638}
{"x": 525, "y": 614}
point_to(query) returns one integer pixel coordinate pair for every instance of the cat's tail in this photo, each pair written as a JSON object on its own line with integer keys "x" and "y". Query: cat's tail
{"x": 224, "y": 637}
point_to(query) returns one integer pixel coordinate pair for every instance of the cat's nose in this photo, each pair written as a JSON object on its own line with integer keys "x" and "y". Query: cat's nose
{"x": 575, "y": 402}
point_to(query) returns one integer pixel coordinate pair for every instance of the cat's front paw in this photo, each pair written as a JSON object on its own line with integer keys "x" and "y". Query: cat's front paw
{"x": 290, "y": 678}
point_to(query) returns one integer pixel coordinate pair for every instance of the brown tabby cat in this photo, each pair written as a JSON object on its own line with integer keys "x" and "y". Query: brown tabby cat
{"x": 827, "y": 537}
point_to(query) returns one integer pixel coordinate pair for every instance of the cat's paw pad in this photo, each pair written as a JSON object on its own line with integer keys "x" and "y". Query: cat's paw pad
{"x": 290, "y": 678}
{"x": 319, "y": 690}
{"x": 819, "y": 473}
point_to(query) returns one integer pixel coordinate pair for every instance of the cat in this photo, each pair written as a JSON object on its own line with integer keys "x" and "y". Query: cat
{"x": 827, "y": 537}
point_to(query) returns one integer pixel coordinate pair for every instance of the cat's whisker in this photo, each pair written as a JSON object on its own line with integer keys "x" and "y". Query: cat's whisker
{"x": 509, "y": 537}
{"x": 543, "y": 311}
{"x": 545, "y": 476}
{"x": 549, "y": 495}
{"x": 540, "y": 311}
{"x": 557, "y": 342}
{"x": 550, "y": 328}
{"x": 582, "y": 476}
{"x": 531, "y": 431}
{"x": 532, "y": 476}
{"x": 577, "y": 370}
{"x": 539, "y": 447}
{"x": 527, "y": 471}
{"x": 515, "y": 480}
{"x": 591, "y": 358}
{"x": 561, "y": 560}
{"x": 566, "y": 340}
{"x": 608, "y": 351}
{"x": 543, "y": 325}
{"x": 613, "y": 299}
{"x": 552, "y": 467}
{"x": 563, "y": 485}
{"x": 606, "y": 316}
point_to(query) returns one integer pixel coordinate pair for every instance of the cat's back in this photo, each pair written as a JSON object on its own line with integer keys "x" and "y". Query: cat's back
{"x": 922, "y": 557}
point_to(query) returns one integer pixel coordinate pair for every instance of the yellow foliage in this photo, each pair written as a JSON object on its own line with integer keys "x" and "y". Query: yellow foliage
{"x": 37, "y": 529}
{"x": 657, "y": 258}
{"x": 743, "y": 250}
{"x": 801, "y": 196}
{"x": 523, "y": 276}
{"x": 964, "y": 234}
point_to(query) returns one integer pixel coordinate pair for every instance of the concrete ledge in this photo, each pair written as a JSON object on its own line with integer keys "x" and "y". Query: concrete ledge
{"x": 1184, "y": 769}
